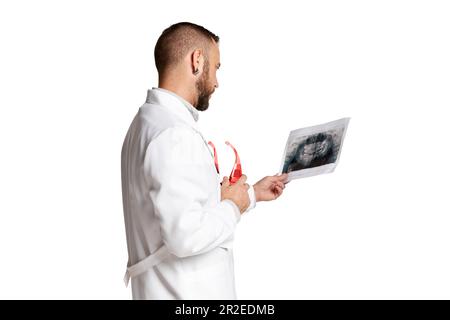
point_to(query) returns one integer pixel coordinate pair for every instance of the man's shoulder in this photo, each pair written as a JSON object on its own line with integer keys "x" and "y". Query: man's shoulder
{"x": 157, "y": 116}
{"x": 152, "y": 120}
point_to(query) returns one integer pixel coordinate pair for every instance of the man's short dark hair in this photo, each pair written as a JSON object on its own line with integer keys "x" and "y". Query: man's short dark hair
{"x": 177, "y": 40}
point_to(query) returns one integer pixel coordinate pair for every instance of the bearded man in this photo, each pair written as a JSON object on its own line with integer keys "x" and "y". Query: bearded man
{"x": 180, "y": 217}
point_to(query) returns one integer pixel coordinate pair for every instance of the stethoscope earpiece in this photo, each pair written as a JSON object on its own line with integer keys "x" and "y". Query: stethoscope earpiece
{"x": 236, "y": 172}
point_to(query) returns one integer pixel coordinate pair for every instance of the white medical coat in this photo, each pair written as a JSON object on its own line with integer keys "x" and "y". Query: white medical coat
{"x": 171, "y": 198}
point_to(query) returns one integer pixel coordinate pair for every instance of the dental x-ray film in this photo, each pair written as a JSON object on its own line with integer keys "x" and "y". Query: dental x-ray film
{"x": 314, "y": 150}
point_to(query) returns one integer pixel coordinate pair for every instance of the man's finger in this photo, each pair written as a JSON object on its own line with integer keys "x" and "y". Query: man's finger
{"x": 242, "y": 179}
{"x": 280, "y": 184}
{"x": 225, "y": 181}
{"x": 282, "y": 177}
{"x": 279, "y": 191}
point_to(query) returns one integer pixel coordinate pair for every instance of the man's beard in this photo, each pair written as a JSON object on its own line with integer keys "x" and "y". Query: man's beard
{"x": 203, "y": 93}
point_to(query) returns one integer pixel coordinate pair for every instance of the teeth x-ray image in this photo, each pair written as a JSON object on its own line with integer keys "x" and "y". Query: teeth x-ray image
{"x": 314, "y": 150}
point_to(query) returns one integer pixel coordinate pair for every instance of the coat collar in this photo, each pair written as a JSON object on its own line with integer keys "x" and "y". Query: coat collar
{"x": 174, "y": 103}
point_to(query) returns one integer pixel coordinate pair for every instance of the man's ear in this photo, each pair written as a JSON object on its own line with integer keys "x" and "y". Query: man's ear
{"x": 197, "y": 61}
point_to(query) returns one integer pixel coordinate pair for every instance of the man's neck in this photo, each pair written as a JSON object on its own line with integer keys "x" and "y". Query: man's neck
{"x": 179, "y": 89}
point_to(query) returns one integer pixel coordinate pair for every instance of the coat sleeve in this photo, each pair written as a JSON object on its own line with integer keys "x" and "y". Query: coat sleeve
{"x": 180, "y": 184}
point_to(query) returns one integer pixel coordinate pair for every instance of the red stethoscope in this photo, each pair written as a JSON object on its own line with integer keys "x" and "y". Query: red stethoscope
{"x": 236, "y": 172}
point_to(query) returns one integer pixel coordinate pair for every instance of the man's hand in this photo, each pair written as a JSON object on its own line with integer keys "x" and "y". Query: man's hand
{"x": 270, "y": 187}
{"x": 237, "y": 192}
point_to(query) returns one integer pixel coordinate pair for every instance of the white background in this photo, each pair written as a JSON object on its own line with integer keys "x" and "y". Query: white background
{"x": 74, "y": 73}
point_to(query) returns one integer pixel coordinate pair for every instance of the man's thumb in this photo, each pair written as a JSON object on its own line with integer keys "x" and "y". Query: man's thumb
{"x": 225, "y": 181}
